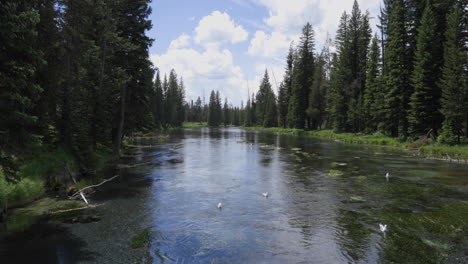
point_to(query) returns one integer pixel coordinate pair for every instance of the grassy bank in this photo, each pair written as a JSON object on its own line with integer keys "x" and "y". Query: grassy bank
{"x": 426, "y": 149}
{"x": 194, "y": 124}
{"x": 45, "y": 168}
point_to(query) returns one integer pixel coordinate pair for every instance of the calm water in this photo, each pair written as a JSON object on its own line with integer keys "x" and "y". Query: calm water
{"x": 325, "y": 205}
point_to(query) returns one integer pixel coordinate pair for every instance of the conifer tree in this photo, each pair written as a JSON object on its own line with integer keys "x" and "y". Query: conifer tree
{"x": 212, "y": 114}
{"x": 265, "y": 104}
{"x": 227, "y": 114}
{"x": 158, "y": 104}
{"x": 318, "y": 94}
{"x": 18, "y": 64}
{"x": 302, "y": 79}
{"x": 424, "y": 113}
{"x": 373, "y": 95}
{"x": 397, "y": 70}
{"x": 454, "y": 82}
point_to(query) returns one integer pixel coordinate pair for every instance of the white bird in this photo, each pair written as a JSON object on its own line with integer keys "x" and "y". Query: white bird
{"x": 383, "y": 228}
{"x": 265, "y": 194}
{"x": 220, "y": 205}
{"x": 387, "y": 176}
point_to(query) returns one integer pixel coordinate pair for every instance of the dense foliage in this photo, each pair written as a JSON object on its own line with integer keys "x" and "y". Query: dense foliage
{"x": 76, "y": 75}
{"x": 408, "y": 81}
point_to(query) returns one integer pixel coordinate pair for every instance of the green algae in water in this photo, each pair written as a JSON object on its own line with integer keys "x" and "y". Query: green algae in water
{"x": 141, "y": 239}
{"x": 335, "y": 173}
{"x": 431, "y": 236}
{"x": 337, "y": 164}
{"x": 421, "y": 174}
{"x": 23, "y": 218}
{"x": 356, "y": 199}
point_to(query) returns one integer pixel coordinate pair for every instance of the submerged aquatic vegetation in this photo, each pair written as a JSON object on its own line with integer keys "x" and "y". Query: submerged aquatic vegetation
{"x": 141, "y": 239}
{"x": 430, "y": 236}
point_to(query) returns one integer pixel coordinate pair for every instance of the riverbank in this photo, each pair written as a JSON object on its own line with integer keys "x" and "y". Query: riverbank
{"x": 419, "y": 147}
{"x": 194, "y": 124}
{"x": 47, "y": 171}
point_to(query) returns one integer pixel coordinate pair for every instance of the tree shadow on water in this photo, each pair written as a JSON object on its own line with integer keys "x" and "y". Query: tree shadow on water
{"x": 44, "y": 243}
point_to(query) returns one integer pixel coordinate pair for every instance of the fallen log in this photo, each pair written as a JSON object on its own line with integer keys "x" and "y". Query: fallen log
{"x": 80, "y": 192}
{"x": 76, "y": 209}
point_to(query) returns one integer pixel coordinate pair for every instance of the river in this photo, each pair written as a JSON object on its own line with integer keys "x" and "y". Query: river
{"x": 326, "y": 201}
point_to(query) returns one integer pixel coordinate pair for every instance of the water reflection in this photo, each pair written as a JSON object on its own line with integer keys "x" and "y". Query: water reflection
{"x": 326, "y": 201}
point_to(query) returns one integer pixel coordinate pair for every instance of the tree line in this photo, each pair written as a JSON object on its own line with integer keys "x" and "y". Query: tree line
{"x": 408, "y": 81}
{"x": 77, "y": 74}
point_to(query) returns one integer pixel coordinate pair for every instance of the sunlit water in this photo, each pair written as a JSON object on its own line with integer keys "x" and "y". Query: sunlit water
{"x": 326, "y": 200}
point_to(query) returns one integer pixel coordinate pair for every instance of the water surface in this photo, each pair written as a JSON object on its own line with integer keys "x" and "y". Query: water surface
{"x": 325, "y": 205}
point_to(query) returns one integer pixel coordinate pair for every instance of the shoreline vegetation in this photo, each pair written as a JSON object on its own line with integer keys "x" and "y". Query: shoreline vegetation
{"x": 427, "y": 149}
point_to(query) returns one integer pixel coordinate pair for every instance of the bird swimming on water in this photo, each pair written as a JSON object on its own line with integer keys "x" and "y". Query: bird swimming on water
{"x": 220, "y": 205}
{"x": 383, "y": 228}
{"x": 265, "y": 194}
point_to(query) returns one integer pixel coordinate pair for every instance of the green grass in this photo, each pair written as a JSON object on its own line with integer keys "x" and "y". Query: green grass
{"x": 194, "y": 124}
{"x": 38, "y": 166}
{"x": 432, "y": 150}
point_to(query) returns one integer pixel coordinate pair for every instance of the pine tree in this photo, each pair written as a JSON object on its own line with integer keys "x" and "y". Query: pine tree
{"x": 373, "y": 95}
{"x": 226, "y": 113}
{"x": 283, "y": 100}
{"x": 424, "y": 113}
{"x": 285, "y": 89}
{"x": 454, "y": 82}
{"x": 265, "y": 104}
{"x": 302, "y": 80}
{"x": 318, "y": 94}
{"x": 198, "y": 110}
{"x": 340, "y": 77}
{"x": 397, "y": 70}
{"x": 180, "y": 104}
{"x": 158, "y": 101}
{"x": 19, "y": 62}
{"x": 19, "y": 92}
{"x": 212, "y": 115}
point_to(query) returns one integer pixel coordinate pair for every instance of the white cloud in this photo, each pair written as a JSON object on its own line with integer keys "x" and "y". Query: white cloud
{"x": 286, "y": 18}
{"x": 204, "y": 71}
{"x": 181, "y": 42}
{"x": 218, "y": 28}
{"x": 274, "y": 45}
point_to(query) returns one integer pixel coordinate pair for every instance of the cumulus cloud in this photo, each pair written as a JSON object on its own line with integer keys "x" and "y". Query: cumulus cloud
{"x": 286, "y": 18}
{"x": 204, "y": 71}
{"x": 218, "y": 28}
{"x": 273, "y": 45}
{"x": 181, "y": 42}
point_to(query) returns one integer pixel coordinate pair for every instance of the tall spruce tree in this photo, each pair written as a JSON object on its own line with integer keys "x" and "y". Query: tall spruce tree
{"x": 340, "y": 77}
{"x": 454, "y": 82}
{"x": 285, "y": 90}
{"x": 318, "y": 94}
{"x": 213, "y": 120}
{"x": 265, "y": 104}
{"x": 424, "y": 113}
{"x": 158, "y": 102}
{"x": 373, "y": 95}
{"x": 302, "y": 79}
{"x": 397, "y": 71}
{"x": 226, "y": 113}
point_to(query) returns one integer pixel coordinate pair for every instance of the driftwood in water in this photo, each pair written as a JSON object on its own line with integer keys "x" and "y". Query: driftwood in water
{"x": 80, "y": 192}
{"x": 76, "y": 209}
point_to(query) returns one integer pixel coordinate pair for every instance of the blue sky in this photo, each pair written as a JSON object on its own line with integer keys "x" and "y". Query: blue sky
{"x": 226, "y": 45}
